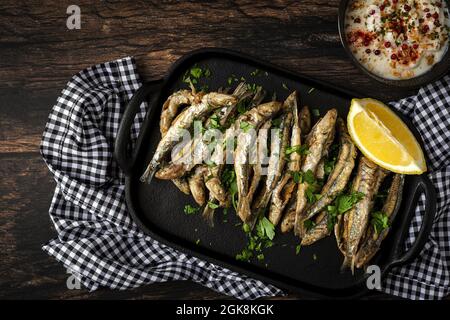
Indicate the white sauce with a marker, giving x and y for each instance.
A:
(398, 39)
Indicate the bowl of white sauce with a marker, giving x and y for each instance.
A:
(399, 42)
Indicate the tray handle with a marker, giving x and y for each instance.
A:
(124, 158)
(421, 184)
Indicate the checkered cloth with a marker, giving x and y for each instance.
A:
(102, 247)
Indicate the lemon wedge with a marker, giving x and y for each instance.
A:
(384, 138)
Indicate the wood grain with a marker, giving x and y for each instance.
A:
(39, 55)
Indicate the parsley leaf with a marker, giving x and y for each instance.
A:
(309, 224)
(265, 232)
(245, 126)
(241, 107)
(212, 205)
(296, 176)
(346, 202)
(316, 112)
(228, 179)
(196, 72)
(342, 204)
(265, 228)
(380, 221)
(300, 149)
(308, 177)
(188, 209)
(276, 122)
(215, 122)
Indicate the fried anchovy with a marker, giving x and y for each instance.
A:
(340, 175)
(277, 161)
(194, 152)
(213, 181)
(181, 183)
(335, 184)
(285, 188)
(261, 152)
(208, 103)
(197, 184)
(318, 231)
(252, 119)
(171, 106)
(317, 139)
(305, 121)
(372, 240)
(367, 181)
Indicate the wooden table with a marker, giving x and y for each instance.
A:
(38, 54)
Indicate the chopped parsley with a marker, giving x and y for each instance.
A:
(297, 249)
(300, 177)
(276, 122)
(242, 107)
(309, 224)
(212, 205)
(189, 210)
(380, 221)
(342, 204)
(329, 165)
(215, 122)
(245, 126)
(300, 149)
(316, 112)
(265, 232)
(228, 179)
(193, 75)
(253, 87)
(265, 228)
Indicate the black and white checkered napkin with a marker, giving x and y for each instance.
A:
(102, 247)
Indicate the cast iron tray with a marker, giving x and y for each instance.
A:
(157, 207)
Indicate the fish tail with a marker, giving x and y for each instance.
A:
(244, 211)
(345, 264)
(208, 215)
(148, 174)
(352, 266)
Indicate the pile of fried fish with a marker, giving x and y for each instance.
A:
(308, 172)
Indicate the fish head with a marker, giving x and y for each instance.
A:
(270, 108)
(216, 100)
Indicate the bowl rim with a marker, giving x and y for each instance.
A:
(436, 72)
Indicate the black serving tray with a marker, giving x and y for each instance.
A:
(157, 208)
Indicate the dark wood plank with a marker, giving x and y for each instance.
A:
(39, 54)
